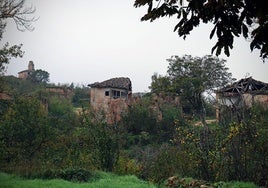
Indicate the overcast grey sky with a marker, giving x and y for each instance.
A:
(88, 41)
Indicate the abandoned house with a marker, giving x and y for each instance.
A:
(112, 97)
(241, 95)
(25, 73)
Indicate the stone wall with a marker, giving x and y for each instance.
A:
(104, 100)
(23, 74)
(62, 91)
(261, 99)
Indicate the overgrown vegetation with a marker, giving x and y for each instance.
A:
(43, 136)
(50, 133)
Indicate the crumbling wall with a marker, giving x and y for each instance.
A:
(98, 100)
(66, 92)
(116, 107)
(262, 100)
(23, 74)
(158, 101)
(112, 107)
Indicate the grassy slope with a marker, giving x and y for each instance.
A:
(106, 181)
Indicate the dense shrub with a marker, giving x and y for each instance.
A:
(104, 140)
(70, 174)
(23, 130)
(80, 175)
(162, 165)
(151, 121)
(127, 166)
(236, 152)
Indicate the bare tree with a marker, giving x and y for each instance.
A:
(13, 9)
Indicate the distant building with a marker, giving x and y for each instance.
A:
(241, 95)
(112, 97)
(25, 73)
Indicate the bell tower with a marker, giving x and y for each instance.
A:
(31, 66)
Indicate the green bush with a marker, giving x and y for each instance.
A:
(127, 166)
(104, 140)
(71, 174)
(23, 131)
(162, 164)
(80, 175)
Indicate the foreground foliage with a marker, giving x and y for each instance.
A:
(233, 18)
(235, 151)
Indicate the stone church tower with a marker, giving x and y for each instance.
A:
(31, 66)
(25, 73)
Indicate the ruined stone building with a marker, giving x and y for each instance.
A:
(25, 73)
(112, 97)
(241, 95)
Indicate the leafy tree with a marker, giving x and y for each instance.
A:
(104, 140)
(39, 76)
(13, 9)
(229, 17)
(23, 130)
(7, 52)
(140, 123)
(160, 84)
(191, 76)
(152, 120)
(61, 113)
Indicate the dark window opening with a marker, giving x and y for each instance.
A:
(107, 93)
